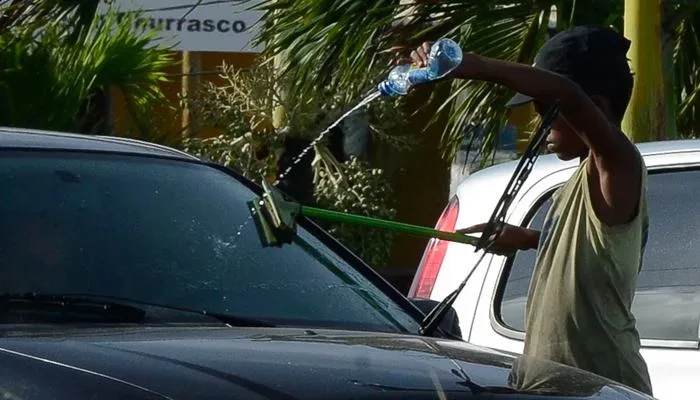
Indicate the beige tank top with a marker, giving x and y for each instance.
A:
(578, 310)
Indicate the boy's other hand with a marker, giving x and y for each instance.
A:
(471, 64)
(419, 56)
(511, 239)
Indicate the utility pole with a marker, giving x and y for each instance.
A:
(191, 68)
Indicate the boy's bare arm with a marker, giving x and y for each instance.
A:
(512, 237)
(547, 87)
(615, 160)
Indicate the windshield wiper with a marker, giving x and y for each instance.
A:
(115, 308)
(37, 306)
(497, 221)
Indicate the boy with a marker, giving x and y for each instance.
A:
(590, 249)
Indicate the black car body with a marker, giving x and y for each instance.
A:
(132, 271)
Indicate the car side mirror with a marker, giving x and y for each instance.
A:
(449, 324)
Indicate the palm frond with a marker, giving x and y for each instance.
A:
(48, 71)
(318, 37)
(513, 34)
(686, 65)
(334, 43)
(330, 44)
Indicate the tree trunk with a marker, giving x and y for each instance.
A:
(645, 119)
(191, 66)
(279, 116)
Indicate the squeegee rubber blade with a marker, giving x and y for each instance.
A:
(265, 231)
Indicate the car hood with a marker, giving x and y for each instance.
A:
(266, 363)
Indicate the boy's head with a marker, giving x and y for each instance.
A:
(596, 59)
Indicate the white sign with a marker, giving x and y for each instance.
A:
(194, 25)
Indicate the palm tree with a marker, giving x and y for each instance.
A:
(56, 59)
(335, 44)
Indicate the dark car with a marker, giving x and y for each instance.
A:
(134, 271)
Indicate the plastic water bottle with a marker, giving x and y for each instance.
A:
(445, 55)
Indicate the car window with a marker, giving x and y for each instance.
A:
(174, 233)
(512, 307)
(667, 301)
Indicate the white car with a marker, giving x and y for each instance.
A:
(667, 302)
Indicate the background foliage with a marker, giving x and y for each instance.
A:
(334, 43)
(243, 108)
(56, 63)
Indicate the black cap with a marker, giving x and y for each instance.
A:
(591, 56)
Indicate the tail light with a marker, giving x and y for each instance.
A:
(434, 254)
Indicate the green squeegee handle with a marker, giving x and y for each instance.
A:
(393, 226)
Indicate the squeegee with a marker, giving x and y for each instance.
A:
(276, 216)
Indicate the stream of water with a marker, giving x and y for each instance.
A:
(323, 134)
(371, 97)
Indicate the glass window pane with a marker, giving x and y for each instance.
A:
(518, 283)
(172, 233)
(667, 302)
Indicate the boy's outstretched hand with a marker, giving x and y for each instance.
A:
(419, 57)
(511, 239)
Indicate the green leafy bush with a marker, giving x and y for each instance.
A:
(52, 63)
(357, 188)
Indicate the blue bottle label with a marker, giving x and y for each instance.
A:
(418, 76)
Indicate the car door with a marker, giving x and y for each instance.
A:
(667, 302)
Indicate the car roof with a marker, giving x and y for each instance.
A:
(21, 138)
(491, 182)
(549, 163)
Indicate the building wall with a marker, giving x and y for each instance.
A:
(169, 116)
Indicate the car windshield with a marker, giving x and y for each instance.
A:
(174, 233)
